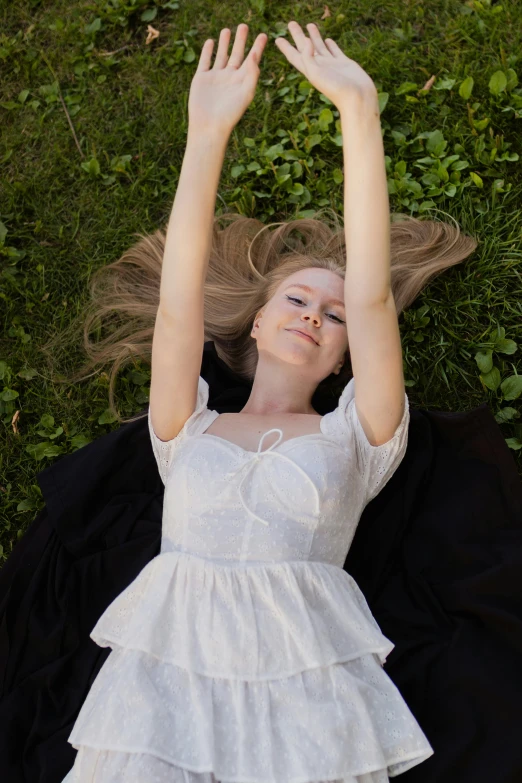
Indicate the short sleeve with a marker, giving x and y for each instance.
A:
(196, 422)
(377, 464)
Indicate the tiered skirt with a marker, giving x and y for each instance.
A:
(249, 673)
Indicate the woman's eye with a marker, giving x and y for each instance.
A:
(300, 301)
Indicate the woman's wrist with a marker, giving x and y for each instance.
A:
(216, 137)
(359, 108)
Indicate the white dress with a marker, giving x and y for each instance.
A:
(244, 652)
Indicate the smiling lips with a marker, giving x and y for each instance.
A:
(303, 334)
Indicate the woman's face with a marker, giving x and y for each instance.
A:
(314, 311)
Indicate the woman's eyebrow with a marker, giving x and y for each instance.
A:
(310, 291)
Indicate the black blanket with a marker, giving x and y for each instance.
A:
(438, 554)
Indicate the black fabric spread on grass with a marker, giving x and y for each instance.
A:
(438, 554)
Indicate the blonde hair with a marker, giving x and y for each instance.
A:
(246, 265)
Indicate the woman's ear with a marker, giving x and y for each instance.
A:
(255, 325)
(345, 359)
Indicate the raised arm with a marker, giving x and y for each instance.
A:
(218, 98)
(371, 318)
(371, 315)
(177, 343)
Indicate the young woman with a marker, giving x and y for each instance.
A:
(244, 651)
(208, 596)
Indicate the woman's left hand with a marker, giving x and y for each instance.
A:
(325, 65)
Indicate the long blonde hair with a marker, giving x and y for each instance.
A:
(246, 265)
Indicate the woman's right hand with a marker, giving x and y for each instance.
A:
(219, 96)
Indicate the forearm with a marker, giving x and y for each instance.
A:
(366, 203)
(189, 231)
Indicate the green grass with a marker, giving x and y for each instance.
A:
(65, 211)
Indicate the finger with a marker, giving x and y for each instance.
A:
(304, 44)
(333, 48)
(222, 52)
(206, 54)
(258, 46)
(238, 50)
(316, 39)
(291, 54)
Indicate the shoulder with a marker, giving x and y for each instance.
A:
(337, 420)
(196, 422)
(375, 463)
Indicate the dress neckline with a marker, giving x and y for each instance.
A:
(320, 434)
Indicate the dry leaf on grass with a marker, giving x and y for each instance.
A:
(152, 33)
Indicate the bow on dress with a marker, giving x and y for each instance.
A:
(267, 453)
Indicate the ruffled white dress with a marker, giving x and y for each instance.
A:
(243, 652)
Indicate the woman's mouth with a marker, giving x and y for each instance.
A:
(304, 336)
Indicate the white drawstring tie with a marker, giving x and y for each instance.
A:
(269, 452)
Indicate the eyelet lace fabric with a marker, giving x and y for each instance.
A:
(243, 652)
(377, 464)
